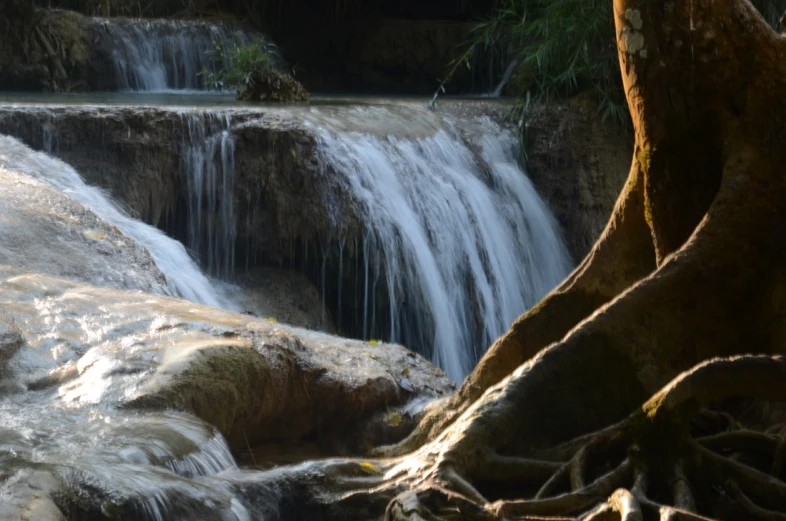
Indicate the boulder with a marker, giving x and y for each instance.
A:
(10, 341)
(130, 397)
(272, 85)
(254, 380)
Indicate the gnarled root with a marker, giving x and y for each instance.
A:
(650, 465)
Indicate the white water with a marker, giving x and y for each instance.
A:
(497, 92)
(209, 169)
(161, 55)
(182, 274)
(466, 247)
(457, 243)
(456, 230)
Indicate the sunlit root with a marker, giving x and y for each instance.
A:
(606, 475)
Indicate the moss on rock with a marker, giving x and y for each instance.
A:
(272, 85)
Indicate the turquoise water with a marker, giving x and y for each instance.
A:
(208, 99)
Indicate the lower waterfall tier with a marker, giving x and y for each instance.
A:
(416, 227)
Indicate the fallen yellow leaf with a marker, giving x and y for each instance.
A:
(370, 468)
(95, 236)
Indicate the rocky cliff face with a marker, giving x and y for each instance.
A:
(63, 51)
(282, 193)
(50, 51)
(579, 165)
(138, 155)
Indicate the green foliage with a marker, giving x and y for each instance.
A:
(561, 48)
(238, 64)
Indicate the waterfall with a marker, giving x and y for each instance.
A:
(460, 239)
(208, 161)
(497, 92)
(161, 55)
(444, 242)
(181, 272)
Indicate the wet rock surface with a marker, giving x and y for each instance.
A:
(285, 296)
(579, 164)
(291, 205)
(118, 364)
(136, 153)
(49, 232)
(10, 341)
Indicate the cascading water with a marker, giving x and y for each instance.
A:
(208, 153)
(181, 272)
(453, 242)
(161, 55)
(461, 241)
(497, 92)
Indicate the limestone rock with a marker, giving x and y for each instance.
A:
(578, 163)
(29, 497)
(253, 379)
(134, 396)
(34, 216)
(272, 85)
(48, 51)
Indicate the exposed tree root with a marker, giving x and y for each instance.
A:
(605, 475)
(688, 269)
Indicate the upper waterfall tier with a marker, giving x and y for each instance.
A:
(163, 55)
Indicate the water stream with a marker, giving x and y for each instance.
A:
(455, 241)
(182, 273)
(209, 170)
(458, 236)
(164, 55)
(453, 244)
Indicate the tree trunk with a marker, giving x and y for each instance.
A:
(594, 404)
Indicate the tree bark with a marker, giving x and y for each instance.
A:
(703, 92)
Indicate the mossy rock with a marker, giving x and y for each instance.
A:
(272, 85)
